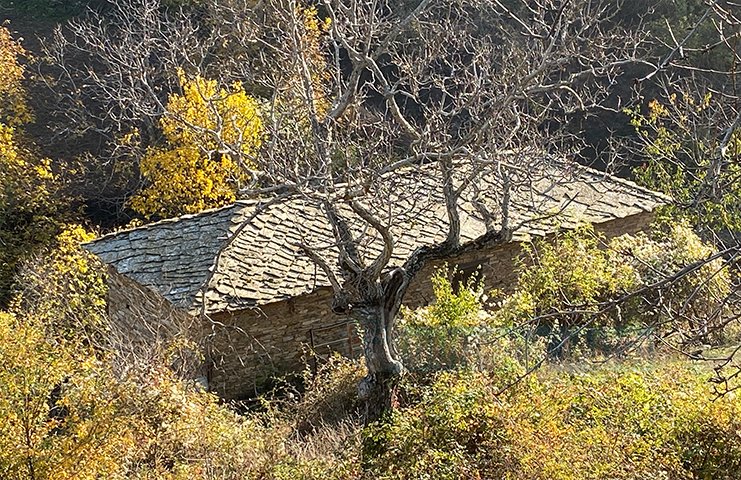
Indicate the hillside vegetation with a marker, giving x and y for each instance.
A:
(465, 410)
(608, 359)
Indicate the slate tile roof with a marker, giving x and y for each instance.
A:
(263, 262)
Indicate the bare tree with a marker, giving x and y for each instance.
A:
(382, 113)
(112, 69)
(423, 102)
(111, 73)
(690, 142)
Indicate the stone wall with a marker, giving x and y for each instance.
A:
(144, 328)
(498, 262)
(250, 346)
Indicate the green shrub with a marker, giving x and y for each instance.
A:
(442, 335)
(694, 305)
(455, 431)
(67, 416)
(562, 284)
(587, 295)
(680, 144)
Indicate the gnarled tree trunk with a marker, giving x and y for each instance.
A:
(373, 304)
(377, 317)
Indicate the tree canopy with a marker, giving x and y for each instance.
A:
(212, 137)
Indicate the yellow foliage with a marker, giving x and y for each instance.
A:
(64, 287)
(213, 119)
(66, 416)
(13, 107)
(183, 180)
(57, 415)
(184, 434)
(212, 135)
(630, 422)
(314, 29)
(28, 209)
(23, 178)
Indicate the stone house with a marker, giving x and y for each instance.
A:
(236, 281)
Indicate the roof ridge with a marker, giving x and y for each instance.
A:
(628, 183)
(255, 201)
(165, 221)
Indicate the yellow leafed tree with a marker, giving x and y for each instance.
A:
(63, 287)
(58, 419)
(13, 107)
(212, 136)
(29, 206)
(315, 28)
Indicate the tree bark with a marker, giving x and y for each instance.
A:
(379, 393)
(378, 388)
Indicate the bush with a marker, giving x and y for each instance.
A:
(64, 287)
(679, 143)
(441, 336)
(184, 433)
(70, 410)
(466, 412)
(59, 415)
(694, 305)
(631, 422)
(331, 395)
(454, 432)
(560, 289)
(65, 415)
(587, 295)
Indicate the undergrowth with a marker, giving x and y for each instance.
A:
(466, 408)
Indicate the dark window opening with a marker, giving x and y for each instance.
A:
(466, 274)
